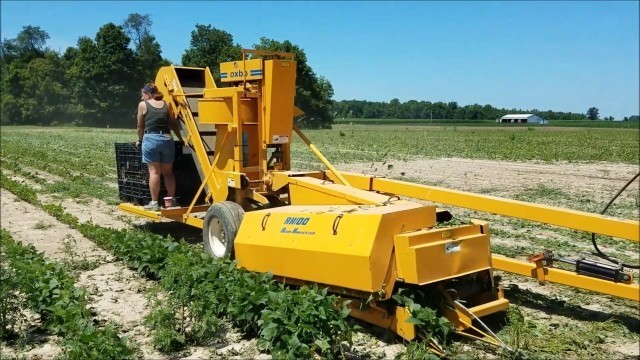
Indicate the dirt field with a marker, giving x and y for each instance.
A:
(118, 294)
(503, 178)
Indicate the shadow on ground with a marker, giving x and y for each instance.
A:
(555, 306)
(176, 230)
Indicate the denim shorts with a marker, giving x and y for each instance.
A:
(158, 148)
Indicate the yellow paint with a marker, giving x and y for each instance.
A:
(278, 92)
(343, 245)
(426, 256)
(233, 71)
(628, 291)
(140, 211)
(573, 219)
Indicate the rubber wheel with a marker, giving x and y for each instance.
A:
(221, 224)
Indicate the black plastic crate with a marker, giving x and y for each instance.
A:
(133, 176)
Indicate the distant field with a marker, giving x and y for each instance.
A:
(492, 123)
(376, 143)
(92, 149)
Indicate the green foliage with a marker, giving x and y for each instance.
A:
(21, 191)
(50, 292)
(412, 109)
(297, 324)
(104, 74)
(97, 344)
(593, 113)
(168, 333)
(29, 44)
(147, 49)
(209, 47)
(313, 92)
(34, 92)
(428, 322)
(398, 144)
(10, 301)
(95, 83)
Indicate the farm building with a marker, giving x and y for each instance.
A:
(522, 118)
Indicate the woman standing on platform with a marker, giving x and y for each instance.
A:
(155, 122)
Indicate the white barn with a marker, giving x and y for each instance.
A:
(522, 118)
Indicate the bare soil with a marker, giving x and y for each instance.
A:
(502, 178)
(117, 293)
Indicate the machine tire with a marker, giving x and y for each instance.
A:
(221, 224)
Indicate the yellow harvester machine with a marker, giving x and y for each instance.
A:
(361, 236)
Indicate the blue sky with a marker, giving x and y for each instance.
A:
(565, 56)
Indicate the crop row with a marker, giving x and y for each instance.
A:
(289, 322)
(91, 151)
(292, 323)
(401, 143)
(47, 290)
(70, 185)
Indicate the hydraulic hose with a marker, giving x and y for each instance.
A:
(593, 235)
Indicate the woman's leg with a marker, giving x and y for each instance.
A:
(154, 179)
(169, 179)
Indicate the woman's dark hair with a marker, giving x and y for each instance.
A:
(152, 90)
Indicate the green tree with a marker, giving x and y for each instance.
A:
(147, 49)
(29, 44)
(313, 92)
(104, 74)
(593, 113)
(44, 98)
(33, 87)
(209, 47)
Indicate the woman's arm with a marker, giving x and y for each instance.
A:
(142, 109)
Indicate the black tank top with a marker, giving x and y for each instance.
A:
(156, 119)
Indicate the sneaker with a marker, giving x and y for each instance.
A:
(153, 206)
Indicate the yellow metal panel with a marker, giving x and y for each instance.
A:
(140, 211)
(220, 111)
(215, 111)
(234, 71)
(361, 181)
(490, 307)
(401, 327)
(307, 190)
(568, 278)
(225, 92)
(297, 111)
(280, 179)
(573, 219)
(225, 143)
(194, 221)
(427, 256)
(346, 246)
(279, 89)
(176, 213)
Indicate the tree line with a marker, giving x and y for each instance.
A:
(98, 81)
(412, 109)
